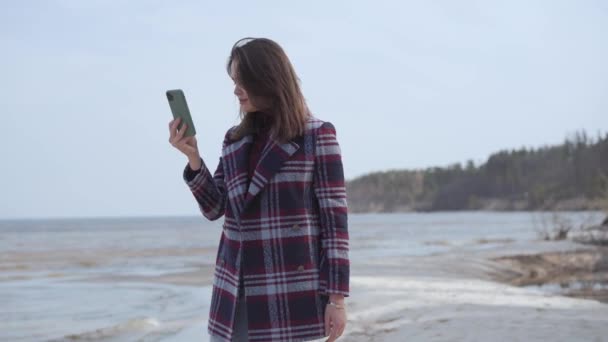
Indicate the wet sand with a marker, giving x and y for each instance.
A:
(467, 295)
(579, 273)
(481, 291)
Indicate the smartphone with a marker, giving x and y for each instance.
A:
(179, 108)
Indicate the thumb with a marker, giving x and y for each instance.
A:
(190, 141)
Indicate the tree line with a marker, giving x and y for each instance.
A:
(572, 175)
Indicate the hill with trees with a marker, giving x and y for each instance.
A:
(570, 176)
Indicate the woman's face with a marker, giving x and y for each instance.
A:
(240, 92)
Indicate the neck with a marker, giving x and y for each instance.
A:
(262, 122)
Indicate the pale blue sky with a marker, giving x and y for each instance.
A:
(407, 85)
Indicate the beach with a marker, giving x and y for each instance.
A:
(458, 298)
(414, 277)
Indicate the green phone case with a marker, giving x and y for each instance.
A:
(179, 108)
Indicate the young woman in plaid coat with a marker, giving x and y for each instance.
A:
(282, 267)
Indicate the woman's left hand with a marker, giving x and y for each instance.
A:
(335, 320)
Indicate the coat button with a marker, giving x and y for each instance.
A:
(222, 262)
(300, 268)
(296, 226)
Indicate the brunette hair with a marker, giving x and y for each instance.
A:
(265, 72)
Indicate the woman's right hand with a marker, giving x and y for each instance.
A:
(186, 145)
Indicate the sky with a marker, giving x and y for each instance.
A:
(407, 84)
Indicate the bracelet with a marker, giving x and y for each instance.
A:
(337, 306)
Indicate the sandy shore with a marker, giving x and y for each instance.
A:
(579, 273)
(470, 295)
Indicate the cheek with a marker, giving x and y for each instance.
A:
(250, 107)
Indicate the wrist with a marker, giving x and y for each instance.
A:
(195, 163)
(336, 298)
(336, 305)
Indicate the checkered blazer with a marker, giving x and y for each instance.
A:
(287, 229)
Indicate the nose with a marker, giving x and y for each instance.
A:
(238, 91)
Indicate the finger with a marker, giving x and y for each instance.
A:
(173, 128)
(182, 131)
(327, 322)
(190, 141)
(337, 326)
(340, 324)
(340, 330)
(333, 336)
(174, 123)
(344, 322)
(332, 327)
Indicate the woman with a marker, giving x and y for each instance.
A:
(282, 267)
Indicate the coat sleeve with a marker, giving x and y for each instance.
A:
(330, 191)
(208, 190)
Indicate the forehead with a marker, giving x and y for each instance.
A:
(234, 69)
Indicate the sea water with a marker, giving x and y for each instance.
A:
(148, 279)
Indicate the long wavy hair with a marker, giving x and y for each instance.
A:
(265, 72)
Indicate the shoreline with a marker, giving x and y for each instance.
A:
(477, 293)
(581, 273)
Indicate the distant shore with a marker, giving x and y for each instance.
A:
(495, 204)
(567, 176)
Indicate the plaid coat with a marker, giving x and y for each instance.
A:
(286, 229)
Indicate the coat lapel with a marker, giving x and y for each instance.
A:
(274, 154)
